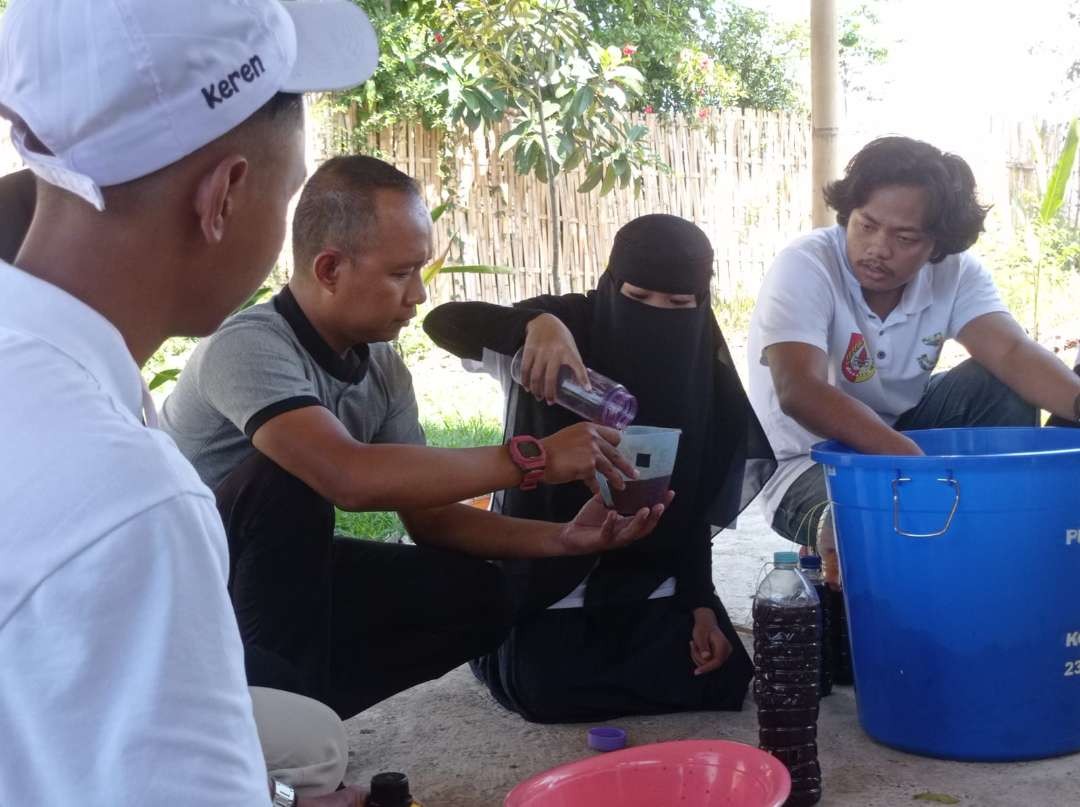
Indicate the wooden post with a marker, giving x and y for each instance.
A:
(825, 117)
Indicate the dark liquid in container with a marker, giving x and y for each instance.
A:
(842, 672)
(787, 670)
(640, 493)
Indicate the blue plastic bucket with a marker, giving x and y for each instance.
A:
(962, 585)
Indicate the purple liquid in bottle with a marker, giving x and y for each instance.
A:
(607, 403)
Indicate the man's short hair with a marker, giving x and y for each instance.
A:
(954, 217)
(337, 206)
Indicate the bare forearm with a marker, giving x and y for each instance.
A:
(481, 533)
(397, 477)
(826, 411)
(1040, 378)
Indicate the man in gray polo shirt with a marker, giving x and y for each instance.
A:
(300, 404)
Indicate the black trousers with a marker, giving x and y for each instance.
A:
(592, 664)
(1060, 421)
(348, 622)
(967, 395)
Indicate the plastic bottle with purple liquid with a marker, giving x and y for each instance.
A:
(608, 402)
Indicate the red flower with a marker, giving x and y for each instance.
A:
(649, 110)
(439, 38)
(628, 50)
(703, 113)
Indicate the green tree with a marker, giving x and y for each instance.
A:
(567, 99)
(692, 54)
(861, 50)
(696, 53)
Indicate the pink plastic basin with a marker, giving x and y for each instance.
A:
(688, 773)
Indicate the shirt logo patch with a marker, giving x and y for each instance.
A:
(857, 365)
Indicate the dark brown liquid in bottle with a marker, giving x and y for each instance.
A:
(787, 671)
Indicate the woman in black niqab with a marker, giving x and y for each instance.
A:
(626, 631)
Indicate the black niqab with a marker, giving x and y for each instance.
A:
(676, 363)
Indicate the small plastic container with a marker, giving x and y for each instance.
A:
(608, 402)
(652, 451)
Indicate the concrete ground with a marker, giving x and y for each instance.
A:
(461, 749)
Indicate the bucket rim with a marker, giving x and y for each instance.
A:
(834, 452)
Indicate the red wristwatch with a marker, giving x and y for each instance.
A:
(528, 454)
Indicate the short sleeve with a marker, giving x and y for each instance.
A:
(137, 684)
(402, 424)
(251, 373)
(796, 303)
(976, 295)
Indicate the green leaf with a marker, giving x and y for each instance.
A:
(636, 132)
(592, 178)
(471, 98)
(1059, 179)
(609, 180)
(436, 214)
(574, 159)
(526, 157)
(583, 99)
(938, 798)
(163, 377)
(499, 100)
(477, 269)
(429, 272)
(616, 94)
(508, 143)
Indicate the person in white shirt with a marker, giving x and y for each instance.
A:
(167, 145)
(851, 320)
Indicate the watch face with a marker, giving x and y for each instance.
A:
(529, 450)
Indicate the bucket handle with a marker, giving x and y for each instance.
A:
(896, 508)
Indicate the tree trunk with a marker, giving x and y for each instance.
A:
(554, 220)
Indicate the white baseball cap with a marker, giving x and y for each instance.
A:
(118, 89)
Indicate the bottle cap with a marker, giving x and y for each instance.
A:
(606, 738)
(790, 558)
(389, 789)
(812, 562)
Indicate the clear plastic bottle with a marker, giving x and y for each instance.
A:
(787, 671)
(810, 566)
(390, 789)
(607, 403)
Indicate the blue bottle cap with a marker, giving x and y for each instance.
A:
(790, 558)
(812, 562)
(606, 738)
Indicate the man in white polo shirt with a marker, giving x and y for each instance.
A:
(851, 321)
(168, 140)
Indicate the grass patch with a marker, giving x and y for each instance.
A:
(452, 433)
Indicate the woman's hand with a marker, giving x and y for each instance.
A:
(549, 346)
(709, 647)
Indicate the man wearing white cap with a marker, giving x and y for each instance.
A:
(168, 139)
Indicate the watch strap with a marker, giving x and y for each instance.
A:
(284, 796)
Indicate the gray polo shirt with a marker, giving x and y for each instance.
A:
(268, 360)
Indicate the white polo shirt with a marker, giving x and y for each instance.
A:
(121, 669)
(810, 295)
